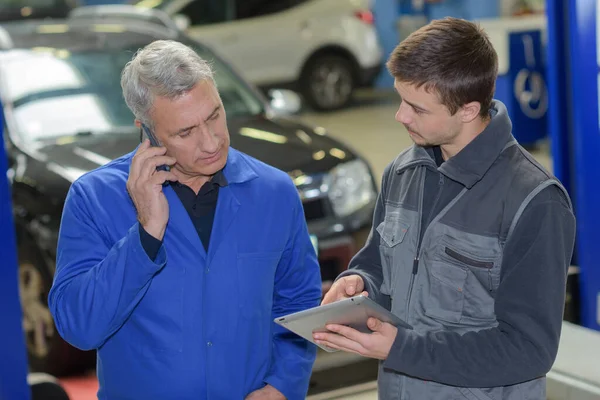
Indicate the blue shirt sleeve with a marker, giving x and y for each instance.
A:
(88, 273)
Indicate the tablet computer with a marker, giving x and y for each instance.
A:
(353, 312)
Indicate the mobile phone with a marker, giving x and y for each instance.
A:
(154, 143)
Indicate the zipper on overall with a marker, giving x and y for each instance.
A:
(415, 268)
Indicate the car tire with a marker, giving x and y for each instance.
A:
(47, 352)
(328, 82)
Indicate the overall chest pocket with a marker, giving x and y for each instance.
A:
(462, 279)
(393, 231)
(255, 281)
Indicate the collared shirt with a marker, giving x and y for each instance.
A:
(200, 207)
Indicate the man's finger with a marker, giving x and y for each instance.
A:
(160, 160)
(161, 177)
(329, 297)
(358, 283)
(350, 289)
(150, 164)
(339, 342)
(149, 151)
(348, 332)
(137, 164)
(143, 146)
(335, 347)
(375, 325)
(141, 149)
(335, 293)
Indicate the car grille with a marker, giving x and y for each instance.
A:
(314, 209)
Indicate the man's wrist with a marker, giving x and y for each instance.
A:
(274, 394)
(155, 230)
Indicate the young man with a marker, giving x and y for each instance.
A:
(175, 276)
(471, 238)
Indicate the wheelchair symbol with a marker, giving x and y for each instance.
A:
(533, 100)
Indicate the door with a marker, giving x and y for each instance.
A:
(259, 38)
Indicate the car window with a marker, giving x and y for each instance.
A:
(67, 93)
(258, 8)
(205, 12)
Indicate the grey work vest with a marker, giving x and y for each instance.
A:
(458, 264)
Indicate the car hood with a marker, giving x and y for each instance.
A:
(282, 143)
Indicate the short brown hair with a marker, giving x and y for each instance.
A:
(451, 56)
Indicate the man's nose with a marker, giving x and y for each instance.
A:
(208, 141)
(404, 115)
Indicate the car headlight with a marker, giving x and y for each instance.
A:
(350, 187)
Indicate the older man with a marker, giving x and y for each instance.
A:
(175, 274)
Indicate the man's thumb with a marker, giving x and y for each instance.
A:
(350, 290)
(374, 324)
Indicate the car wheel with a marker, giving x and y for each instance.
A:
(47, 351)
(328, 82)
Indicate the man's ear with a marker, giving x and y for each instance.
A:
(470, 111)
(138, 123)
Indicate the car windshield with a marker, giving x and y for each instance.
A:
(54, 92)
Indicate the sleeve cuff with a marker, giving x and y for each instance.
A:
(284, 389)
(396, 357)
(150, 244)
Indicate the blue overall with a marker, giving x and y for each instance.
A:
(191, 324)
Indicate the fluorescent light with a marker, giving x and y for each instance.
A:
(303, 136)
(108, 28)
(263, 135)
(56, 28)
(337, 153)
(319, 130)
(319, 155)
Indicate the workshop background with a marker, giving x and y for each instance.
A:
(316, 68)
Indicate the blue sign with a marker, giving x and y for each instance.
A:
(523, 88)
(575, 132)
(465, 9)
(13, 368)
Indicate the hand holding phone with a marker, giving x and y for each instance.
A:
(154, 142)
(145, 186)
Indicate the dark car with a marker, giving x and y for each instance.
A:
(16, 10)
(65, 115)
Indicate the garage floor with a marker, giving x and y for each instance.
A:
(368, 127)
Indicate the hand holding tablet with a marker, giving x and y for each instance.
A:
(353, 312)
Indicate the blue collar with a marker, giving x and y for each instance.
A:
(238, 169)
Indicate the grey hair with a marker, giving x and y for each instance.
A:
(164, 68)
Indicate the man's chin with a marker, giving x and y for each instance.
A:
(214, 167)
(419, 141)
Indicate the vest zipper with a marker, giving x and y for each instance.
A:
(415, 269)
